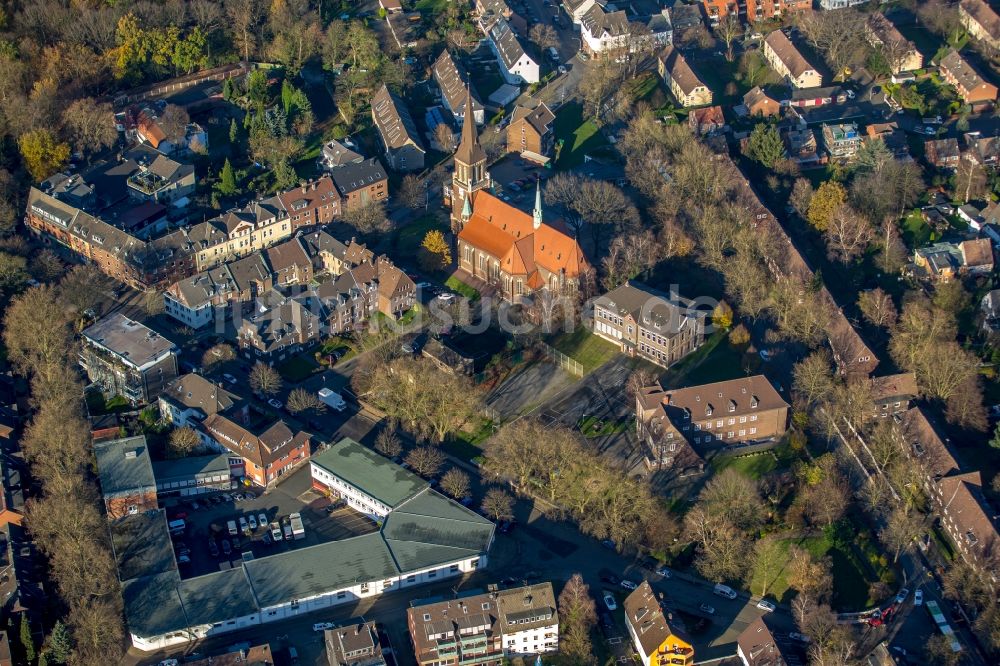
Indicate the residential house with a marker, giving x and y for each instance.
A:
(189, 399)
(901, 54)
(242, 232)
(969, 520)
(124, 357)
(984, 150)
(145, 124)
(990, 307)
(361, 183)
(971, 86)
(290, 263)
(396, 291)
(428, 538)
(801, 145)
(981, 20)
(354, 644)
(315, 202)
(255, 655)
(707, 121)
(577, 9)
(125, 471)
(279, 331)
(656, 634)
(195, 475)
(488, 628)
(453, 80)
(517, 65)
(339, 153)
(391, 6)
(759, 104)
(12, 487)
(842, 141)
(207, 296)
(602, 31)
(943, 261)
(684, 84)
(892, 394)
(643, 322)
(531, 131)
(397, 132)
(786, 60)
(683, 17)
(404, 28)
(268, 448)
(758, 646)
(489, 10)
(804, 98)
(850, 352)
(942, 153)
(754, 10)
(893, 138)
(729, 412)
(331, 256)
(661, 30)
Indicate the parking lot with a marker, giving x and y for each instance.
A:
(209, 520)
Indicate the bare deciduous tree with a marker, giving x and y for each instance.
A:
(729, 30)
(847, 235)
(543, 36)
(445, 137)
(498, 504)
(219, 353)
(183, 442)
(455, 482)
(425, 460)
(387, 443)
(838, 36)
(878, 308)
(412, 192)
(301, 400)
(264, 379)
(578, 615)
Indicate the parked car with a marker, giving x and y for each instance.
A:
(705, 608)
(287, 528)
(608, 543)
(628, 585)
(244, 526)
(918, 598)
(213, 548)
(262, 519)
(562, 69)
(796, 636)
(274, 403)
(447, 296)
(609, 601)
(663, 572)
(903, 594)
(323, 626)
(765, 605)
(253, 521)
(226, 548)
(183, 559)
(229, 378)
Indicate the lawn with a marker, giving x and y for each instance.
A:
(587, 349)
(593, 426)
(715, 361)
(461, 288)
(579, 136)
(916, 232)
(753, 466)
(409, 238)
(297, 368)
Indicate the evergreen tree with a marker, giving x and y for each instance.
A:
(227, 179)
(60, 644)
(234, 131)
(765, 145)
(227, 90)
(287, 94)
(26, 641)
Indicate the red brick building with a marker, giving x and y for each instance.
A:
(269, 449)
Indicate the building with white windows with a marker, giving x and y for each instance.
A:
(516, 63)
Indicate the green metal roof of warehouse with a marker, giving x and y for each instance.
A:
(124, 465)
(370, 472)
(319, 569)
(190, 467)
(142, 545)
(152, 604)
(217, 597)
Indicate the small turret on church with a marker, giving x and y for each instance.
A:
(470, 172)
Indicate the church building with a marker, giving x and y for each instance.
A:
(519, 254)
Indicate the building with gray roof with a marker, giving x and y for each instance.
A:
(126, 475)
(403, 149)
(355, 643)
(453, 80)
(516, 63)
(127, 358)
(193, 475)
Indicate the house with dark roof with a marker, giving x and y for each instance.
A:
(900, 53)
(981, 20)
(657, 635)
(314, 202)
(757, 645)
(353, 644)
(603, 30)
(662, 328)
(361, 183)
(785, 59)
(338, 153)
(126, 358)
(707, 121)
(892, 394)
(278, 330)
(969, 83)
(195, 475)
(942, 153)
(453, 80)
(687, 88)
(398, 133)
(517, 65)
(205, 297)
(268, 447)
(189, 399)
(943, 261)
(531, 131)
(970, 520)
(125, 471)
(290, 263)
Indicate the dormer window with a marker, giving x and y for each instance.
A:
(753, 402)
(732, 405)
(708, 410)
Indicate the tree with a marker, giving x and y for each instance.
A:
(368, 218)
(60, 644)
(412, 192)
(27, 642)
(810, 576)
(455, 482)
(244, 16)
(91, 125)
(152, 302)
(838, 36)
(183, 442)
(425, 460)
(629, 255)
(754, 67)
(722, 316)
(387, 443)
(445, 137)
(600, 203)
(938, 651)
(543, 36)
(801, 196)
(739, 336)
(13, 271)
(227, 180)
(970, 180)
(220, 353)
(301, 400)
(43, 153)
(498, 504)
(951, 297)
(264, 379)
(824, 204)
(877, 307)
(903, 525)
(36, 333)
(847, 235)
(729, 30)
(596, 85)
(578, 614)
(768, 562)
(83, 288)
(174, 121)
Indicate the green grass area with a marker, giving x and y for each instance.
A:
(579, 135)
(587, 349)
(643, 86)
(432, 7)
(926, 41)
(97, 405)
(916, 232)
(716, 360)
(297, 368)
(717, 73)
(754, 466)
(468, 445)
(461, 288)
(408, 238)
(593, 426)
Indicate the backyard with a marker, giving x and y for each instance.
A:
(579, 136)
(587, 349)
(715, 361)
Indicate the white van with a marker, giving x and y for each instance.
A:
(332, 399)
(725, 591)
(232, 527)
(177, 525)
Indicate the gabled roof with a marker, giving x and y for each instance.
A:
(788, 54)
(654, 310)
(731, 397)
(648, 621)
(372, 474)
(455, 84)
(540, 117)
(978, 252)
(288, 254)
(902, 385)
(680, 71)
(926, 445)
(337, 154)
(966, 76)
(984, 15)
(358, 176)
(508, 43)
(312, 194)
(599, 22)
(759, 647)
(193, 391)
(394, 121)
(973, 517)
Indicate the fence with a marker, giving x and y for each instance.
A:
(567, 363)
(180, 83)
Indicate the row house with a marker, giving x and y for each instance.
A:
(981, 20)
(970, 84)
(487, 629)
(531, 131)
(125, 470)
(267, 449)
(517, 64)
(488, 11)
(397, 132)
(900, 53)
(190, 399)
(892, 394)
(785, 59)
(649, 324)
(279, 331)
(313, 203)
(206, 297)
(241, 232)
(361, 183)
(682, 81)
(758, 645)
(126, 358)
(753, 10)
(454, 82)
(290, 263)
(331, 256)
(658, 636)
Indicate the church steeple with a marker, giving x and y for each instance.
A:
(469, 151)
(470, 172)
(537, 213)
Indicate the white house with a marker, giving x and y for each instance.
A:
(601, 30)
(189, 399)
(516, 64)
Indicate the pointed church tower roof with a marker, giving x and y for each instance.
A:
(467, 208)
(537, 213)
(469, 151)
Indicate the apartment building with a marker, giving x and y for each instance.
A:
(486, 629)
(453, 80)
(313, 203)
(404, 151)
(206, 297)
(684, 84)
(892, 394)
(189, 399)
(517, 64)
(643, 322)
(602, 30)
(758, 646)
(196, 475)
(531, 131)
(753, 10)
(290, 263)
(981, 20)
(268, 448)
(841, 140)
(900, 53)
(355, 644)
(785, 59)
(279, 330)
(969, 83)
(126, 473)
(656, 634)
(361, 183)
(126, 358)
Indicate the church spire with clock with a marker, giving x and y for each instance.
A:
(470, 172)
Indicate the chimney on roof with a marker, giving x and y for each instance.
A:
(666, 399)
